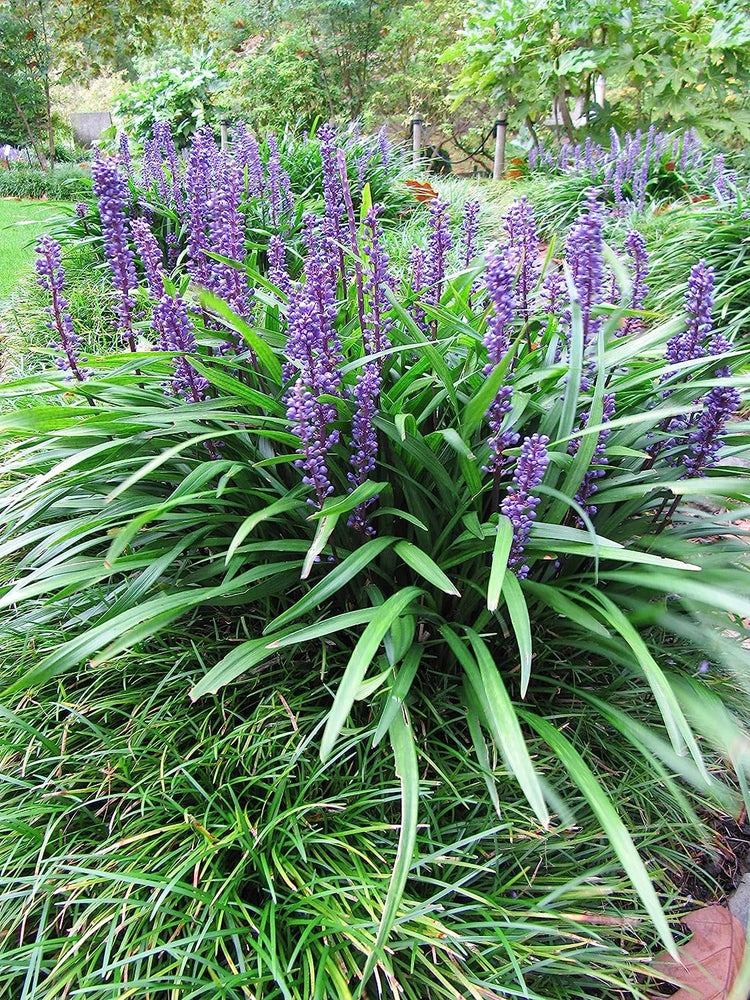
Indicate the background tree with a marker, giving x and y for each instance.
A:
(682, 61)
(25, 71)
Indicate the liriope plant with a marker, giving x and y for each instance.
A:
(495, 465)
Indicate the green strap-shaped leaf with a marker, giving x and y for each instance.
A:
(405, 754)
(325, 529)
(520, 623)
(360, 660)
(613, 826)
(499, 713)
(354, 563)
(500, 552)
(427, 568)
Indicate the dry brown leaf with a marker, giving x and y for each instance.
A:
(710, 959)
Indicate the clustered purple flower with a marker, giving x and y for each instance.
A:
(469, 232)
(314, 352)
(177, 334)
(111, 190)
(690, 344)
(226, 230)
(51, 277)
(519, 505)
(623, 169)
(439, 243)
(523, 247)
(705, 439)
(498, 279)
(151, 257)
(635, 247)
(367, 387)
(585, 255)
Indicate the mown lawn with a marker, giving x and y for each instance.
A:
(20, 222)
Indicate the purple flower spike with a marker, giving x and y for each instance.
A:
(82, 209)
(691, 343)
(364, 440)
(524, 253)
(111, 188)
(439, 244)
(498, 278)
(278, 273)
(226, 227)
(124, 153)
(176, 333)
(247, 155)
(520, 504)
(585, 255)
(635, 246)
(51, 277)
(165, 142)
(332, 195)
(418, 264)
(378, 279)
(307, 421)
(469, 232)
(705, 439)
(150, 253)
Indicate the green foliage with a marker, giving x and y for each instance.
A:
(720, 234)
(280, 85)
(25, 58)
(68, 182)
(182, 91)
(684, 61)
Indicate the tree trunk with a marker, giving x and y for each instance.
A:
(562, 103)
(32, 138)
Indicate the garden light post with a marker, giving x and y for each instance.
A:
(224, 134)
(416, 141)
(498, 165)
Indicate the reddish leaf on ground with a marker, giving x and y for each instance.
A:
(422, 190)
(710, 959)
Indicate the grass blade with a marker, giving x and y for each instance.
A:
(427, 568)
(613, 826)
(500, 552)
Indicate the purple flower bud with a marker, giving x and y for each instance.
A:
(524, 253)
(469, 232)
(176, 333)
(498, 279)
(520, 503)
(278, 273)
(124, 153)
(51, 277)
(150, 253)
(111, 189)
(82, 209)
(635, 246)
(439, 244)
(585, 255)
(247, 156)
(705, 439)
(691, 342)
(165, 143)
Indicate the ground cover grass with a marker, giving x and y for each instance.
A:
(159, 850)
(21, 221)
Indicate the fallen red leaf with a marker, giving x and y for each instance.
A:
(422, 190)
(710, 959)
